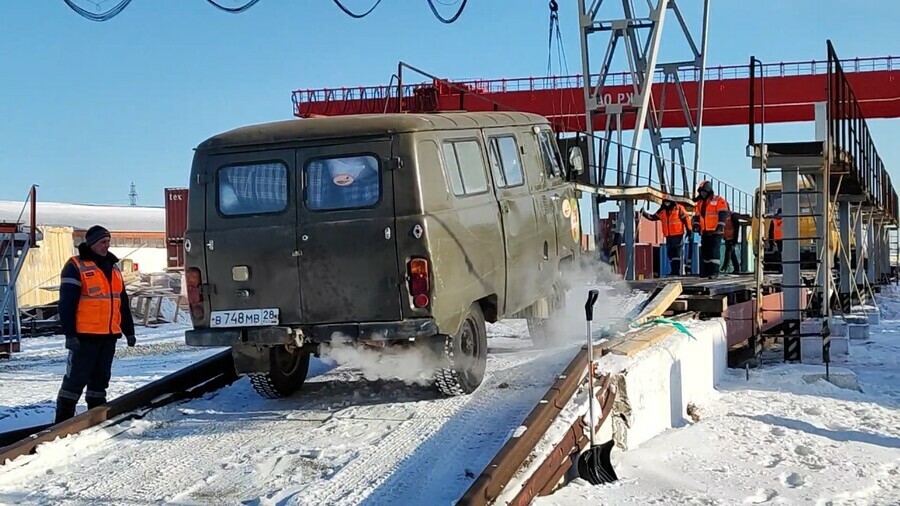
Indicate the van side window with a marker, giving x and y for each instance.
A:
(504, 155)
(346, 182)
(549, 154)
(465, 167)
(252, 189)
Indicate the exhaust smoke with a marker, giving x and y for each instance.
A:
(413, 365)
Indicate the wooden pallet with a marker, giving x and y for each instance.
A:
(147, 307)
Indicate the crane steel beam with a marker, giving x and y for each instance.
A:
(792, 90)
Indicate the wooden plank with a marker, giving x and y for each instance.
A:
(640, 341)
(651, 333)
(660, 303)
(703, 303)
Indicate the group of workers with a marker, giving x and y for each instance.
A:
(712, 219)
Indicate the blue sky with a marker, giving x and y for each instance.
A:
(86, 108)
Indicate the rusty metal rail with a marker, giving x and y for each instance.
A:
(514, 454)
(205, 376)
(510, 462)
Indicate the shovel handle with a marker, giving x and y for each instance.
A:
(592, 297)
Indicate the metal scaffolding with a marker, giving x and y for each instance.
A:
(17, 238)
(835, 205)
(639, 36)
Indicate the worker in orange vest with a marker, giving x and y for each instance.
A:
(775, 235)
(732, 225)
(674, 219)
(94, 313)
(710, 215)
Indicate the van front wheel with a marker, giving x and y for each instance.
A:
(287, 373)
(465, 355)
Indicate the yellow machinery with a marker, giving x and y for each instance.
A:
(807, 223)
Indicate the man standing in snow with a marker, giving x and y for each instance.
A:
(93, 313)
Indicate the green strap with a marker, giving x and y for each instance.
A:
(678, 325)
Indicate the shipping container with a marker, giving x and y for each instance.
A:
(643, 261)
(176, 213)
(175, 254)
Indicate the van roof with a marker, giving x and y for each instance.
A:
(364, 125)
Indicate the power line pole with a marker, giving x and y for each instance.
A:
(132, 195)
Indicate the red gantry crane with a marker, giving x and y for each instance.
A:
(791, 90)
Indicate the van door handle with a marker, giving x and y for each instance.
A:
(555, 197)
(504, 207)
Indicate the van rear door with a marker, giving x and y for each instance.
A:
(347, 235)
(251, 246)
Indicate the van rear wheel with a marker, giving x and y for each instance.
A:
(544, 332)
(466, 356)
(287, 373)
(541, 332)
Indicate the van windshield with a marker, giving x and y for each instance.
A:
(345, 182)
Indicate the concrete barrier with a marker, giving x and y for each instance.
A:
(656, 385)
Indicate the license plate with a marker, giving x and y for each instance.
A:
(244, 318)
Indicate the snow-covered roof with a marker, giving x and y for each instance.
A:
(83, 216)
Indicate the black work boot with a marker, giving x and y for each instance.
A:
(93, 402)
(65, 409)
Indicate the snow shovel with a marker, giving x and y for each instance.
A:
(594, 464)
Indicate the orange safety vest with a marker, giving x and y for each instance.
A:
(776, 229)
(672, 220)
(729, 229)
(708, 212)
(99, 307)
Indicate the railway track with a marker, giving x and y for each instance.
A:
(205, 376)
(472, 449)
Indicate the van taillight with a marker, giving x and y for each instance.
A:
(418, 282)
(192, 279)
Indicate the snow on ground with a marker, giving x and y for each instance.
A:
(342, 440)
(31, 379)
(785, 436)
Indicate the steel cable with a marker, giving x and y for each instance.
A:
(353, 14)
(441, 18)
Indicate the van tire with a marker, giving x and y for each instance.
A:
(540, 331)
(466, 354)
(286, 375)
(544, 331)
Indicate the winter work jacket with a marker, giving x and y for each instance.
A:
(92, 298)
(710, 215)
(674, 220)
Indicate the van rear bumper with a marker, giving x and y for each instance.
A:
(274, 336)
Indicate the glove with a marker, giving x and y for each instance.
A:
(720, 229)
(696, 228)
(131, 340)
(72, 343)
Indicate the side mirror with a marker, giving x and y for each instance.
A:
(576, 161)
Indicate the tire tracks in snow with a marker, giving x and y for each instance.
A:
(427, 459)
(341, 440)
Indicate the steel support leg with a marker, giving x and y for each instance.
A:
(627, 215)
(861, 250)
(873, 251)
(745, 250)
(790, 258)
(823, 274)
(844, 254)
